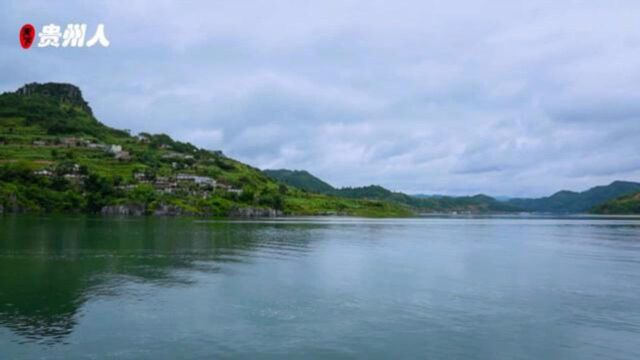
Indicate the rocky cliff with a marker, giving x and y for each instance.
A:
(63, 92)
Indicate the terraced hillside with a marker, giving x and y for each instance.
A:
(55, 156)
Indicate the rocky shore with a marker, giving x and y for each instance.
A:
(172, 210)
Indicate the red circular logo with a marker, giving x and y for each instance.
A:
(27, 34)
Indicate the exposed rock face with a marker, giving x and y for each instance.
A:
(125, 210)
(168, 210)
(249, 212)
(63, 92)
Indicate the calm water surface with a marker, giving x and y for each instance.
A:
(465, 288)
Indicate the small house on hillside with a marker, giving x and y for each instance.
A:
(43, 172)
(69, 141)
(97, 146)
(114, 149)
(75, 178)
(198, 180)
(164, 184)
(172, 155)
(140, 176)
(123, 156)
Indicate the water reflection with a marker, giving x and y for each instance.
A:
(49, 267)
(447, 287)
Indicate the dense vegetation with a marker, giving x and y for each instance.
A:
(629, 204)
(56, 157)
(300, 179)
(472, 204)
(577, 202)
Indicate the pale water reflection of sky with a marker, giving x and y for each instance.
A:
(500, 97)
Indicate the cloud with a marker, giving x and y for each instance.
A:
(500, 97)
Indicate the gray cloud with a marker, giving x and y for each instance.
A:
(501, 97)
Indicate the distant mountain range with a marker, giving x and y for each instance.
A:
(560, 202)
(302, 179)
(577, 202)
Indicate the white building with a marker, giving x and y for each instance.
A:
(97, 146)
(122, 155)
(114, 149)
(198, 180)
(43, 172)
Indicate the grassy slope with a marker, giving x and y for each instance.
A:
(24, 119)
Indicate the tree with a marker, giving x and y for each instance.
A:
(248, 196)
(143, 193)
(99, 191)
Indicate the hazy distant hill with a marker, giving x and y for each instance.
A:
(473, 204)
(577, 202)
(629, 204)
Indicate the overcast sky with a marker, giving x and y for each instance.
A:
(503, 97)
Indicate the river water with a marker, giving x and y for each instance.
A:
(438, 288)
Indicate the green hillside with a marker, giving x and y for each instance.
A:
(300, 179)
(55, 156)
(625, 205)
(577, 202)
(471, 204)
